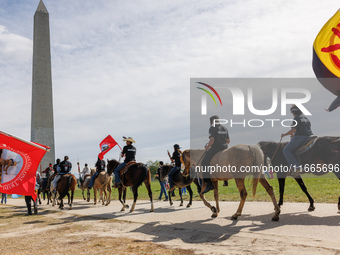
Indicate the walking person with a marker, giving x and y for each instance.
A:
(161, 183)
(3, 198)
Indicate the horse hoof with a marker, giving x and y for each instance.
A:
(151, 210)
(213, 209)
(70, 208)
(311, 208)
(123, 209)
(339, 207)
(275, 218)
(234, 217)
(171, 203)
(188, 205)
(214, 215)
(181, 205)
(127, 206)
(131, 210)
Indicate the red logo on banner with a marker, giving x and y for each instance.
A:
(107, 144)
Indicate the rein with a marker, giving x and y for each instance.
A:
(277, 147)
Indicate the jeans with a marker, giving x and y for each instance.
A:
(4, 198)
(163, 190)
(171, 173)
(116, 171)
(291, 147)
(93, 177)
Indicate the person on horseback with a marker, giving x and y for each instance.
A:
(218, 141)
(65, 168)
(175, 158)
(85, 171)
(56, 166)
(129, 151)
(300, 131)
(48, 172)
(100, 166)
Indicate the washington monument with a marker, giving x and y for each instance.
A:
(42, 127)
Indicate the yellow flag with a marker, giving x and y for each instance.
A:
(326, 57)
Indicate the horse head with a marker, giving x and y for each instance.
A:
(164, 171)
(185, 159)
(111, 165)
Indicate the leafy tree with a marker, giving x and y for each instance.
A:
(153, 166)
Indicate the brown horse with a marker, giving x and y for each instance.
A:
(238, 157)
(325, 152)
(67, 182)
(103, 184)
(84, 185)
(134, 177)
(180, 182)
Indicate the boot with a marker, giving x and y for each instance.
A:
(209, 187)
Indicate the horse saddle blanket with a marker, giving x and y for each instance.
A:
(126, 168)
(307, 145)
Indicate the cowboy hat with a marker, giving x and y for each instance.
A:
(130, 139)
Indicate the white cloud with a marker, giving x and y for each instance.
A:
(123, 68)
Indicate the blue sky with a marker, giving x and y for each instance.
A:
(124, 67)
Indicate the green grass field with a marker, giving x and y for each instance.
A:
(323, 190)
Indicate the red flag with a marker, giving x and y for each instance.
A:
(20, 159)
(107, 144)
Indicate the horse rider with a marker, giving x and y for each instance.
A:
(218, 141)
(85, 171)
(48, 172)
(300, 131)
(56, 166)
(100, 166)
(175, 158)
(65, 168)
(129, 151)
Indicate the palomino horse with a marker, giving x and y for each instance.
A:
(133, 177)
(180, 182)
(237, 158)
(84, 185)
(325, 153)
(67, 182)
(103, 184)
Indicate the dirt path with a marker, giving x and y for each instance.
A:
(189, 229)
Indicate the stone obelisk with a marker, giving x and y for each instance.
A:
(42, 127)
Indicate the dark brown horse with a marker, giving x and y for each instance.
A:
(237, 157)
(67, 182)
(180, 182)
(326, 152)
(134, 177)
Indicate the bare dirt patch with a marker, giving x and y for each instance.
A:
(21, 234)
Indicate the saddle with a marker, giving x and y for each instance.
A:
(86, 175)
(307, 145)
(126, 168)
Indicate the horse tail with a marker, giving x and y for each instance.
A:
(142, 176)
(67, 187)
(257, 161)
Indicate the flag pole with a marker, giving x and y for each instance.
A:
(22, 140)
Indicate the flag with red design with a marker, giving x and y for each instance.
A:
(19, 160)
(107, 144)
(326, 58)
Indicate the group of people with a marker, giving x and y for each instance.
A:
(218, 141)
